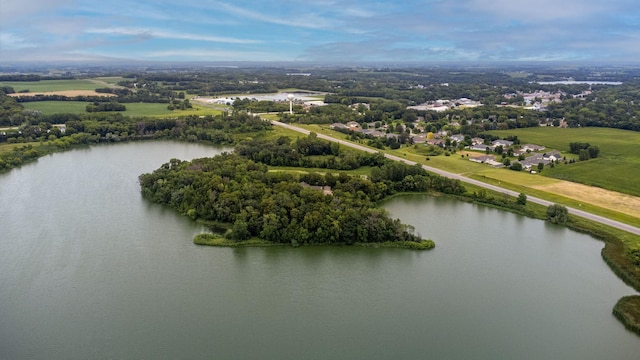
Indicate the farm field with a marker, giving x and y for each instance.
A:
(51, 85)
(54, 107)
(133, 109)
(617, 168)
(113, 80)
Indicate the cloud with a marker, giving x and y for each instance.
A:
(325, 30)
(154, 33)
(12, 11)
(299, 19)
(9, 41)
(213, 55)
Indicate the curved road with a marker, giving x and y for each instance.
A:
(573, 211)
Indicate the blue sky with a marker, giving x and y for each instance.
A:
(320, 30)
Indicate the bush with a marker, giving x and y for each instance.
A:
(557, 214)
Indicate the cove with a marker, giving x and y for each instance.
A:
(90, 269)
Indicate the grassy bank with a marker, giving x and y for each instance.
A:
(627, 310)
(221, 241)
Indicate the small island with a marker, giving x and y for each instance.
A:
(257, 206)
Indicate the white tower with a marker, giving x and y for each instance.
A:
(290, 97)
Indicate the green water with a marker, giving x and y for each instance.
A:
(90, 270)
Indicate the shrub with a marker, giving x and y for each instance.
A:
(557, 214)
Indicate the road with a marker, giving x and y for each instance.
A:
(600, 219)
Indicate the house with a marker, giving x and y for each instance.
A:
(482, 159)
(374, 133)
(458, 138)
(353, 125)
(442, 133)
(532, 147)
(552, 156)
(326, 190)
(419, 138)
(481, 147)
(531, 161)
(335, 126)
(436, 142)
(487, 159)
(477, 140)
(503, 143)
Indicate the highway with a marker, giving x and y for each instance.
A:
(600, 219)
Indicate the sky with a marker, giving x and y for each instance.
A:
(320, 30)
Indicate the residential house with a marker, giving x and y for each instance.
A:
(458, 138)
(503, 143)
(532, 147)
(487, 159)
(481, 147)
(352, 125)
(477, 140)
(326, 190)
(419, 138)
(436, 142)
(552, 156)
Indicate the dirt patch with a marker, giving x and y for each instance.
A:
(608, 199)
(68, 93)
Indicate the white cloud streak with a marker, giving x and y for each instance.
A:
(154, 33)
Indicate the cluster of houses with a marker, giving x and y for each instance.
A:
(444, 105)
(355, 127)
(528, 163)
(539, 99)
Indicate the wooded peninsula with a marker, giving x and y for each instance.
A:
(283, 207)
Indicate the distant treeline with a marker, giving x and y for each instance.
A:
(32, 77)
(96, 128)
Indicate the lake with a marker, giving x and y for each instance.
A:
(91, 270)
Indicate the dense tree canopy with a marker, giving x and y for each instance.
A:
(281, 206)
(274, 206)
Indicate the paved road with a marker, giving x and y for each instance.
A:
(573, 211)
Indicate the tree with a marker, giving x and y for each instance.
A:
(540, 166)
(522, 199)
(239, 231)
(557, 214)
(516, 166)
(584, 155)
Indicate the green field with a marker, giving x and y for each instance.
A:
(113, 80)
(617, 168)
(55, 107)
(50, 85)
(133, 109)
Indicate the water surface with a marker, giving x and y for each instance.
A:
(91, 270)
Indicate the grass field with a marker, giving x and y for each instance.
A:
(55, 107)
(617, 168)
(113, 80)
(50, 85)
(133, 109)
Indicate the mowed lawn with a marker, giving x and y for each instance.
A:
(617, 168)
(50, 85)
